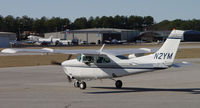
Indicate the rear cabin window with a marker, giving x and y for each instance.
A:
(103, 60)
(121, 57)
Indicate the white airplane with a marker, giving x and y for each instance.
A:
(49, 40)
(33, 38)
(102, 64)
(37, 38)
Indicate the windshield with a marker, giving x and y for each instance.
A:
(79, 57)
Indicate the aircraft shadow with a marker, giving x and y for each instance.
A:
(110, 90)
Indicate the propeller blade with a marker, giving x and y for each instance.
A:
(55, 63)
(69, 57)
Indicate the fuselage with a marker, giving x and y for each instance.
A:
(92, 70)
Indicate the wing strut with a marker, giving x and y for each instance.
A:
(101, 49)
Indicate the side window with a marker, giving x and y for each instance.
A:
(88, 59)
(103, 60)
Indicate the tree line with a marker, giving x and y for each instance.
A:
(25, 23)
(193, 24)
(43, 25)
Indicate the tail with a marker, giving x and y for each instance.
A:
(51, 38)
(167, 52)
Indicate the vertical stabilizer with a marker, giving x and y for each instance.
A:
(167, 52)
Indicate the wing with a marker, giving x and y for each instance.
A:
(13, 50)
(127, 51)
(85, 51)
(49, 50)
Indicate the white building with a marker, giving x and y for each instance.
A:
(6, 38)
(96, 35)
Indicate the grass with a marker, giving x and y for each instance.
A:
(31, 60)
(188, 53)
(36, 60)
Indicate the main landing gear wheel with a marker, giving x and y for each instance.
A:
(82, 85)
(76, 84)
(118, 84)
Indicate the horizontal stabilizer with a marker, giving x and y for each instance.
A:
(182, 64)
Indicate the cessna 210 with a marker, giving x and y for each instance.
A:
(101, 64)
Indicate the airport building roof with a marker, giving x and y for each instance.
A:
(100, 30)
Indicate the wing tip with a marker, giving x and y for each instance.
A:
(8, 50)
(146, 49)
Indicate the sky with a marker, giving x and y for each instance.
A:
(72, 9)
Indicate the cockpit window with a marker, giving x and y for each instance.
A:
(88, 59)
(103, 60)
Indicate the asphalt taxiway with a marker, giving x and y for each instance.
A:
(47, 87)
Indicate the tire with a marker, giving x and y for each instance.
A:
(118, 84)
(82, 85)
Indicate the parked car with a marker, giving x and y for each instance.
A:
(75, 42)
(92, 43)
(84, 42)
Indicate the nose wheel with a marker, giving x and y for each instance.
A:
(118, 84)
(82, 85)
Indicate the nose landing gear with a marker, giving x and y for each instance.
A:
(76, 84)
(82, 85)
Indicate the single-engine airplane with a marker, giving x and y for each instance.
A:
(101, 64)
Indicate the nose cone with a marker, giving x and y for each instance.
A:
(65, 63)
(72, 62)
(70, 67)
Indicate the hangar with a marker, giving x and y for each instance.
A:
(96, 35)
(154, 36)
(6, 38)
(191, 35)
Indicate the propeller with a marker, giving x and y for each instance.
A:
(56, 63)
(69, 57)
(59, 63)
